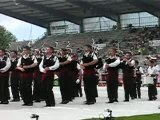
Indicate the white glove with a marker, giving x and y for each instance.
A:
(77, 81)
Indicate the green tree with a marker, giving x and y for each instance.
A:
(5, 38)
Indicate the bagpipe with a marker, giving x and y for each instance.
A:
(3, 62)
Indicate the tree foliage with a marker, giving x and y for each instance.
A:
(5, 38)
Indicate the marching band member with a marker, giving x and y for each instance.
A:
(15, 77)
(5, 64)
(127, 65)
(75, 69)
(38, 94)
(152, 74)
(90, 79)
(138, 76)
(26, 65)
(48, 66)
(111, 65)
(157, 67)
(65, 77)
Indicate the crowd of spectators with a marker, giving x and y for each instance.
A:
(139, 43)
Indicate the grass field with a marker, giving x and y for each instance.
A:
(140, 117)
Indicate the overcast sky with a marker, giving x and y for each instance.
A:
(22, 30)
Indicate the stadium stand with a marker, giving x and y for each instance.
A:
(44, 13)
(78, 40)
(137, 41)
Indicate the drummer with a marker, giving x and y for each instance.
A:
(152, 74)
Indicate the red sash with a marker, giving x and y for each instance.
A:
(48, 74)
(89, 72)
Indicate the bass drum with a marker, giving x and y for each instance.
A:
(147, 80)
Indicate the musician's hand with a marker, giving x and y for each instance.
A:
(47, 68)
(107, 65)
(22, 69)
(82, 67)
(124, 59)
(25, 67)
(44, 71)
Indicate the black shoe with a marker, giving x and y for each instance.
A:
(65, 102)
(126, 100)
(90, 103)
(4, 102)
(154, 98)
(49, 106)
(115, 100)
(30, 104)
(135, 97)
(85, 102)
(132, 98)
(111, 101)
(151, 99)
(15, 100)
(27, 104)
(37, 101)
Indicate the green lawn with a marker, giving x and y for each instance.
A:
(140, 117)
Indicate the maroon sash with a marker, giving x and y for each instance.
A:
(36, 74)
(89, 72)
(5, 74)
(49, 73)
(26, 75)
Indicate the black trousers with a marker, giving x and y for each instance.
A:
(78, 90)
(38, 92)
(26, 87)
(138, 89)
(66, 82)
(72, 86)
(90, 87)
(151, 91)
(112, 89)
(4, 84)
(155, 87)
(47, 87)
(128, 89)
(15, 84)
(134, 90)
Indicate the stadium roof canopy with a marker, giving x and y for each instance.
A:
(43, 12)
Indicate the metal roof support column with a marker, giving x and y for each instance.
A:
(49, 30)
(159, 21)
(81, 26)
(119, 25)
